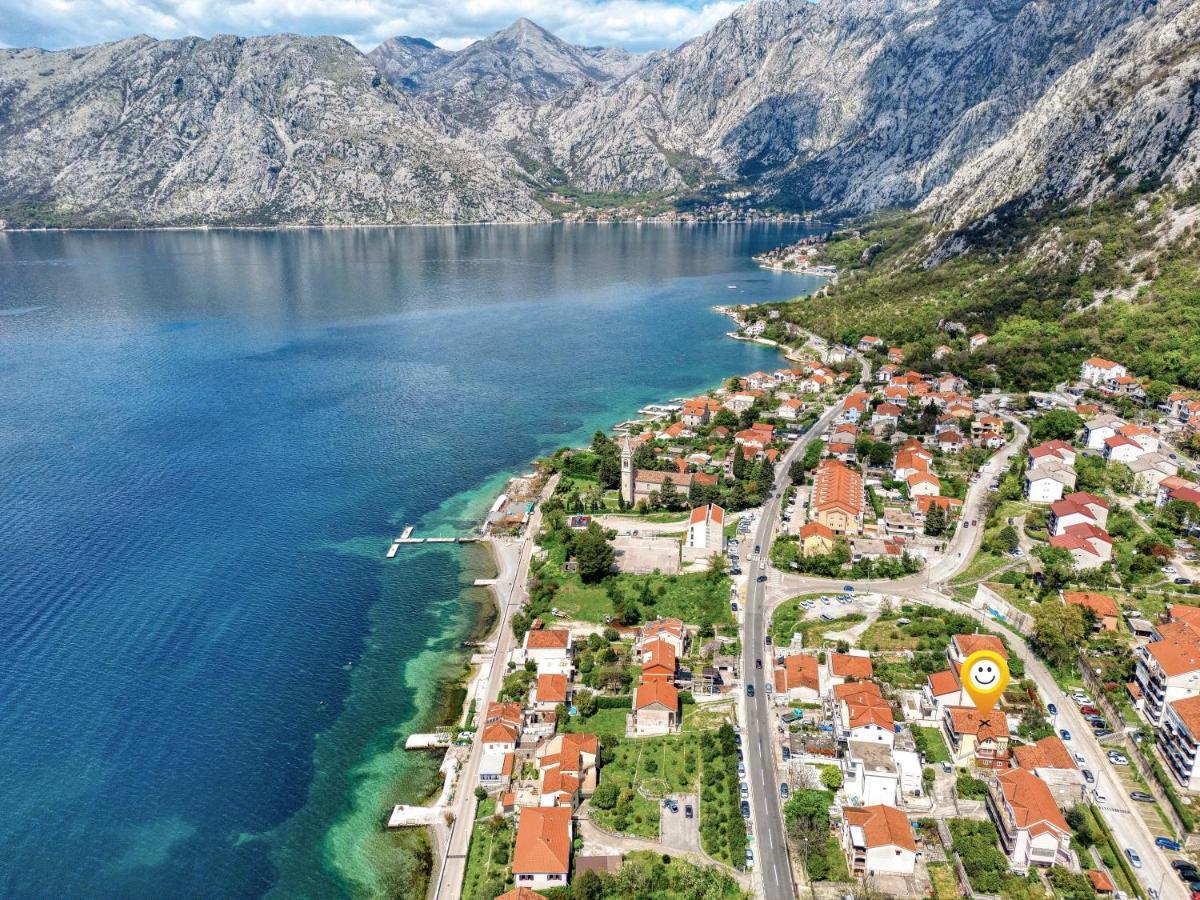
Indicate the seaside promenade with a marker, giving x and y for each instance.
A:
(512, 560)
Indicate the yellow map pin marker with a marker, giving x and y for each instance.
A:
(984, 677)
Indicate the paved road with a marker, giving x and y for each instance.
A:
(772, 863)
(510, 586)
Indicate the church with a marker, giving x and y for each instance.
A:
(638, 484)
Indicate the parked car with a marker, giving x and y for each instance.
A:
(733, 607)
(749, 857)
(1141, 796)
(758, 664)
(1088, 776)
(1052, 709)
(1168, 570)
(1089, 710)
(745, 809)
(688, 812)
(745, 789)
(1103, 732)
(1079, 759)
(1117, 759)
(737, 738)
(1064, 734)
(1183, 581)
(787, 754)
(1167, 844)
(848, 588)
(761, 578)
(1100, 796)
(783, 790)
(749, 690)
(1134, 859)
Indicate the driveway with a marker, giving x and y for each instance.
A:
(675, 829)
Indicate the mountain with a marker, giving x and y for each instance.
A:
(512, 70)
(270, 130)
(863, 104)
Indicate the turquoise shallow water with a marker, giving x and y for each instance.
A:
(207, 440)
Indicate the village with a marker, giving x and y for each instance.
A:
(877, 522)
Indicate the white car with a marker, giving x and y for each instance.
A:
(1117, 759)
(1168, 570)
(1079, 759)
(1100, 796)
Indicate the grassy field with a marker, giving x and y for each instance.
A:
(605, 723)
(932, 743)
(489, 855)
(694, 598)
(644, 770)
(945, 885)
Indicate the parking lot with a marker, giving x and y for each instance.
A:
(675, 829)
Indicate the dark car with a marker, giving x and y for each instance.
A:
(737, 739)
(758, 664)
(1167, 844)
(1141, 796)
(758, 548)
(1184, 868)
(749, 690)
(767, 639)
(1064, 734)
(735, 571)
(783, 790)
(745, 809)
(1088, 776)
(687, 811)
(1052, 709)
(1182, 580)
(761, 578)
(787, 754)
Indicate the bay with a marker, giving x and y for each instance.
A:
(207, 441)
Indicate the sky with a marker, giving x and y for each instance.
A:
(633, 24)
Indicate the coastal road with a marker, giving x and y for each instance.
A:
(772, 863)
(510, 589)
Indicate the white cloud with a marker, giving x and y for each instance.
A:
(634, 24)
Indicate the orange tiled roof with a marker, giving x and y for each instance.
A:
(656, 690)
(662, 626)
(844, 665)
(543, 842)
(701, 514)
(552, 688)
(547, 639)
(1179, 650)
(942, 683)
(1048, 753)
(521, 893)
(1032, 803)
(659, 656)
(969, 643)
(1188, 711)
(883, 826)
(801, 671)
(967, 720)
(815, 528)
(837, 486)
(1101, 882)
(1101, 604)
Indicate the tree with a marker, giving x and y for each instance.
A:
(605, 795)
(1059, 631)
(935, 520)
(1057, 424)
(831, 777)
(1008, 539)
(585, 703)
(587, 885)
(609, 473)
(668, 495)
(593, 553)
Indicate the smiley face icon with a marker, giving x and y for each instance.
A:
(984, 676)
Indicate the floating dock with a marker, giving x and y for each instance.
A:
(429, 741)
(407, 538)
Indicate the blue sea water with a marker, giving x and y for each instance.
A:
(207, 441)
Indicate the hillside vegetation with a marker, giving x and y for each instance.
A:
(1120, 279)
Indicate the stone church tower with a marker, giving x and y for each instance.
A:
(627, 473)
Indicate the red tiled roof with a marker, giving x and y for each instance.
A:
(883, 826)
(943, 683)
(844, 665)
(969, 643)
(967, 720)
(547, 639)
(543, 842)
(656, 690)
(552, 688)
(1048, 753)
(800, 671)
(1102, 605)
(1188, 711)
(1032, 803)
(1179, 650)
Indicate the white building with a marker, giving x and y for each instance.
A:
(1096, 371)
(1178, 738)
(1099, 429)
(706, 529)
(542, 850)
(1048, 480)
(869, 774)
(1032, 830)
(878, 840)
(1168, 669)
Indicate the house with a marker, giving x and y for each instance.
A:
(1149, 470)
(1076, 509)
(502, 726)
(669, 630)
(1168, 668)
(542, 851)
(1102, 606)
(1090, 546)
(550, 691)
(1050, 761)
(548, 645)
(950, 442)
(974, 739)
(815, 539)
(869, 342)
(949, 505)
(878, 840)
(942, 351)
(658, 660)
(863, 714)
(1096, 370)
(1122, 449)
(941, 689)
(699, 411)
(910, 462)
(706, 529)
(1124, 386)
(870, 773)
(923, 484)
(798, 678)
(837, 498)
(655, 708)
(1048, 480)
(977, 341)
(963, 645)
(1099, 429)
(1047, 450)
(567, 769)
(1178, 738)
(844, 667)
(855, 406)
(1032, 830)
(790, 409)
(1143, 435)
(521, 893)
(496, 768)
(886, 414)
(895, 354)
